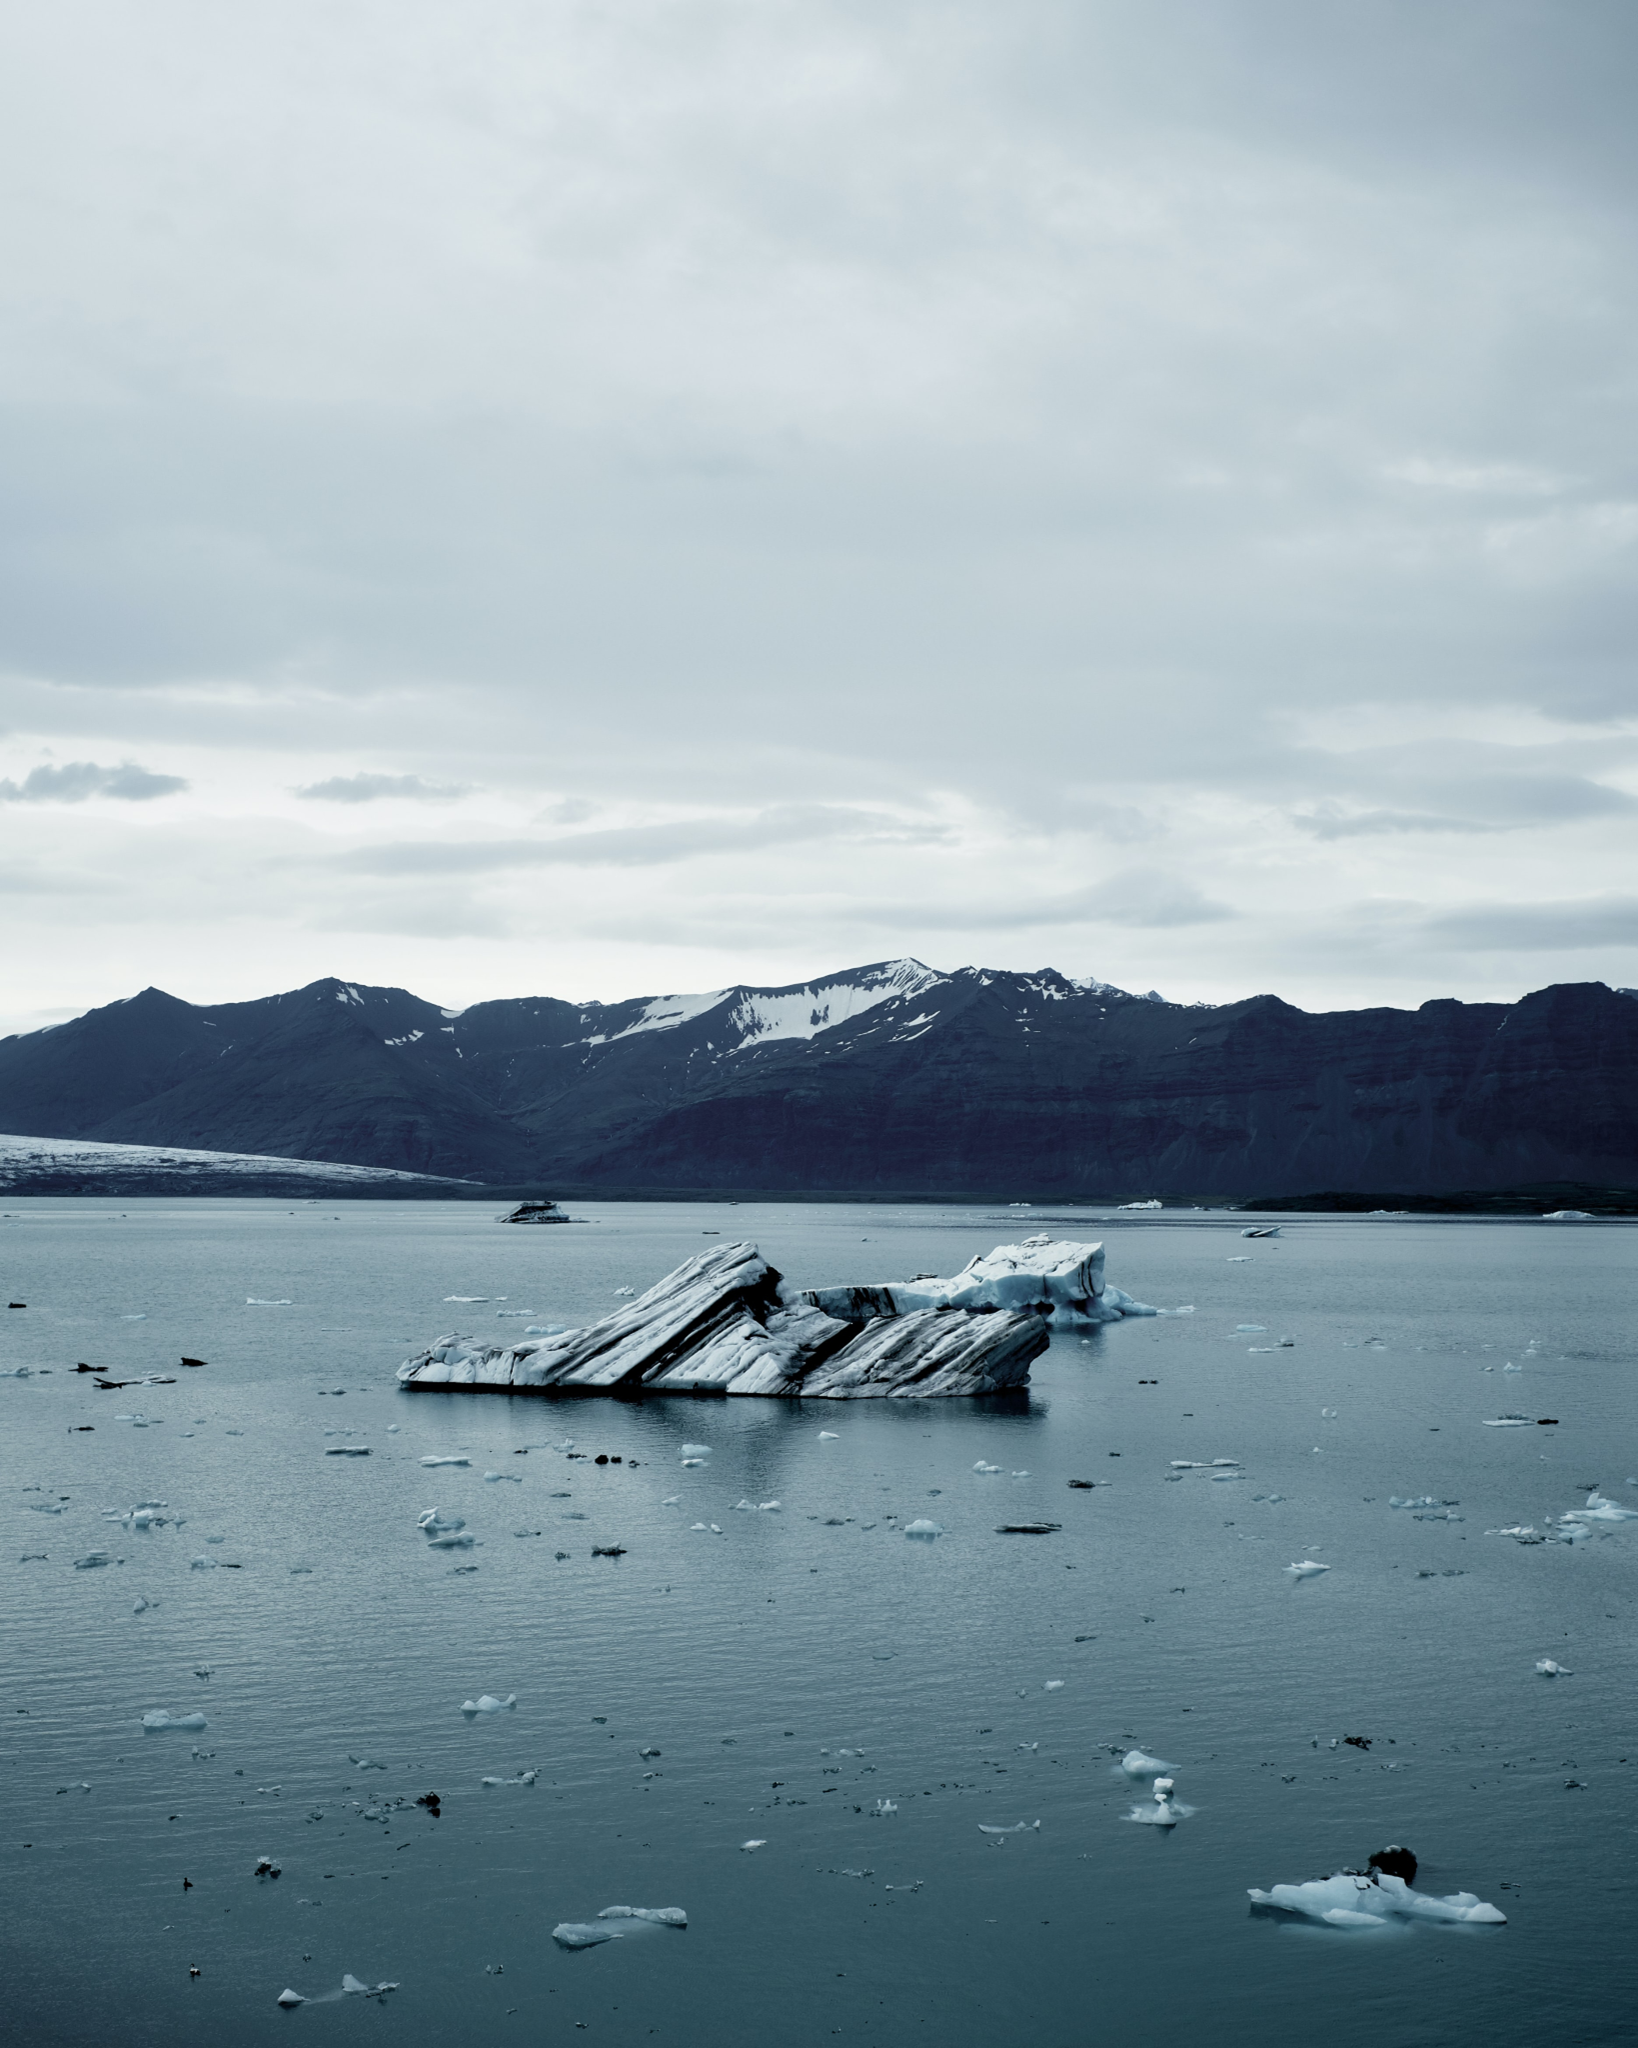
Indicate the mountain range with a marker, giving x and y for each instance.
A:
(891, 1079)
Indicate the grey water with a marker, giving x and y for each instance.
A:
(778, 1677)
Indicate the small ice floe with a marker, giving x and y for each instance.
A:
(1307, 1568)
(582, 1933)
(347, 1450)
(885, 1806)
(672, 1502)
(444, 1532)
(1218, 1477)
(1053, 1685)
(1020, 1827)
(1267, 1230)
(157, 1718)
(1507, 1422)
(1188, 1465)
(1166, 1812)
(1240, 1259)
(522, 1778)
(92, 1561)
(486, 1703)
(982, 1467)
(1250, 1329)
(827, 1436)
(203, 1563)
(1373, 1898)
(350, 1988)
(466, 1300)
(923, 1530)
(1549, 1669)
(1186, 1310)
(446, 1461)
(263, 1301)
(1569, 1216)
(696, 1450)
(624, 1293)
(1599, 1509)
(1511, 1367)
(758, 1842)
(492, 1478)
(1137, 1764)
(661, 1916)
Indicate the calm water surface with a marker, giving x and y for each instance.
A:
(754, 1660)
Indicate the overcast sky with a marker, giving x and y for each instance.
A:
(525, 497)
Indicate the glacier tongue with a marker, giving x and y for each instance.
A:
(725, 1323)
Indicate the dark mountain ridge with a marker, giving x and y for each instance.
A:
(889, 1078)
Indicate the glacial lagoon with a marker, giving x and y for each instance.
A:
(887, 1718)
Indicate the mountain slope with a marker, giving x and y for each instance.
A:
(892, 1077)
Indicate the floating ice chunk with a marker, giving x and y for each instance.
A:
(446, 1461)
(92, 1560)
(1228, 1475)
(351, 1988)
(885, 1806)
(827, 1436)
(1598, 1509)
(1354, 1899)
(1137, 1764)
(1511, 1367)
(1549, 1669)
(158, 1718)
(522, 1778)
(491, 1478)
(1186, 1310)
(672, 1502)
(466, 1300)
(347, 1451)
(1022, 1827)
(982, 1467)
(58, 1507)
(582, 1934)
(924, 1529)
(262, 1301)
(624, 1293)
(1188, 1465)
(1308, 1569)
(1568, 1216)
(486, 1703)
(290, 1999)
(696, 1450)
(1249, 1329)
(758, 1842)
(1507, 1422)
(769, 1507)
(1166, 1811)
(203, 1563)
(1053, 1685)
(662, 1916)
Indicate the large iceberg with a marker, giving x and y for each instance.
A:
(726, 1323)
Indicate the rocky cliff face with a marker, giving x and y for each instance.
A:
(890, 1078)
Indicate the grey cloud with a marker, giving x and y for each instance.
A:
(75, 781)
(367, 789)
(1330, 822)
(642, 845)
(1140, 899)
(1573, 926)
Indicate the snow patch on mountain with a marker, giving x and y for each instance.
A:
(821, 1006)
(760, 1015)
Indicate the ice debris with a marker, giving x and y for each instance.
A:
(486, 1703)
(662, 1916)
(757, 1842)
(924, 1529)
(1549, 1669)
(1020, 1827)
(1136, 1764)
(158, 1718)
(446, 1461)
(1307, 1569)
